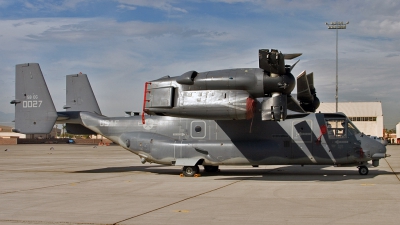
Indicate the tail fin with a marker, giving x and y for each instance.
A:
(34, 108)
(80, 95)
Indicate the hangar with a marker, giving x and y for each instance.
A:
(367, 116)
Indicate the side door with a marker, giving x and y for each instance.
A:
(302, 138)
(338, 139)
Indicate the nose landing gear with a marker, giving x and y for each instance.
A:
(362, 170)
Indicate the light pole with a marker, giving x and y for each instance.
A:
(337, 25)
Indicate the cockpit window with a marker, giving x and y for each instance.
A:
(352, 129)
(336, 128)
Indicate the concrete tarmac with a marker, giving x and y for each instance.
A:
(83, 184)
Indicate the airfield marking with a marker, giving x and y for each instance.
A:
(188, 198)
(174, 203)
(58, 185)
(50, 222)
(181, 211)
(367, 184)
(392, 170)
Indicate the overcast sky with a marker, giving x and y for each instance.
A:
(121, 44)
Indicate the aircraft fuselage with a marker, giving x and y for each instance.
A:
(187, 142)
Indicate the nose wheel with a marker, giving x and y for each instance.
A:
(362, 170)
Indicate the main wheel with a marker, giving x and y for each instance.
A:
(211, 169)
(363, 170)
(190, 171)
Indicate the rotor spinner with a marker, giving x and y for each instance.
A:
(278, 83)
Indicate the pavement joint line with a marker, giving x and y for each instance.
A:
(52, 222)
(174, 203)
(58, 185)
(38, 171)
(188, 198)
(392, 170)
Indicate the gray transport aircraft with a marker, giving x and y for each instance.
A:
(226, 117)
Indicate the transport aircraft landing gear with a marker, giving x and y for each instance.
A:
(211, 169)
(362, 170)
(190, 171)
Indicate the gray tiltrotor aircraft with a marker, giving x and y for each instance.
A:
(210, 119)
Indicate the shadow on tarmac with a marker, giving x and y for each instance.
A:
(284, 173)
(294, 173)
(124, 169)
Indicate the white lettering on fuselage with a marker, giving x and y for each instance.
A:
(31, 104)
(148, 124)
(29, 97)
(109, 123)
(32, 101)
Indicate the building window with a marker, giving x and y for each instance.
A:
(362, 118)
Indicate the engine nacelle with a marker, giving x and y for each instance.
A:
(202, 104)
(224, 94)
(274, 108)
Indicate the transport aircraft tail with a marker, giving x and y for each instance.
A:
(34, 108)
(80, 96)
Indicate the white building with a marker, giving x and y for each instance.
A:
(367, 116)
(398, 131)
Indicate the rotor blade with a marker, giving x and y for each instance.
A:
(303, 88)
(293, 105)
(292, 55)
(310, 79)
(294, 65)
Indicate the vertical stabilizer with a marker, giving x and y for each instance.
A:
(80, 96)
(34, 108)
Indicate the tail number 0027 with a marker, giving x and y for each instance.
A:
(31, 103)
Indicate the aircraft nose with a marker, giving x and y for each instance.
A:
(379, 151)
(373, 149)
(371, 145)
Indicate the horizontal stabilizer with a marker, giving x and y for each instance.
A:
(78, 129)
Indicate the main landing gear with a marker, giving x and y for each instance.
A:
(190, 171)
(362, 170)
